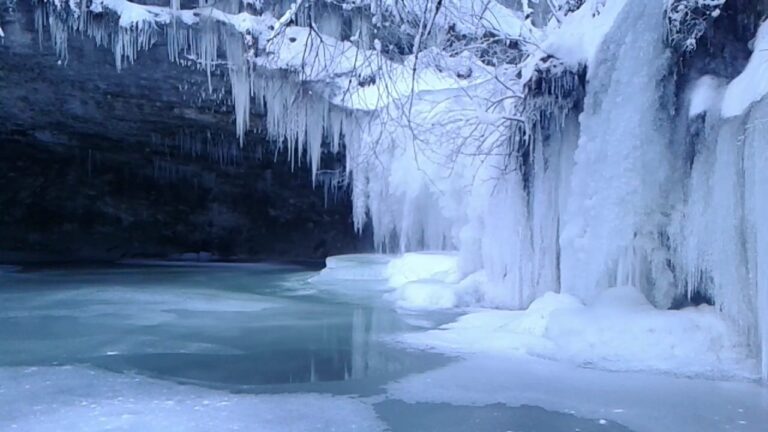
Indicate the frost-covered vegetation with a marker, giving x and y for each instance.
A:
(558, 146)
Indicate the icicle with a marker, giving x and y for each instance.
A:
(208, 47)
(59, 36)
(240, 80)
(315, 114)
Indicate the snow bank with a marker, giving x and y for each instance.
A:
(751, 85)
(621, 331)
(578, 38)
(80, 399)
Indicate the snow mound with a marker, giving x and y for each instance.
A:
(434, 294)
(409, 267)
(425, 294)
(429, 280)
(578, 38)
(354, 267)
(621, 331)
(79, 399)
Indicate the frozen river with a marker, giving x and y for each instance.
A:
(258, 348)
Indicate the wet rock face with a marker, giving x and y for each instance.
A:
(100, 164)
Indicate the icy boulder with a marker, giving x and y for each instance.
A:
(354, 267)
(426, 294)
(437, 294)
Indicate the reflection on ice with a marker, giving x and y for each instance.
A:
(218, 326)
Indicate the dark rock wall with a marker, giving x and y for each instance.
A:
(96, 164)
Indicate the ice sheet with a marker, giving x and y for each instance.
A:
(78, 399)
(642, 402)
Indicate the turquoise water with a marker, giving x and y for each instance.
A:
(219, 332)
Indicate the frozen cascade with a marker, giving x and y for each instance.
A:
(552, 165)
(757, 131)
(722, 238)
(729, 256)
(611, 233)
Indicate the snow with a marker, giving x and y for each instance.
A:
(47, 399)
(751, 85)
(348, 68)
(470, 17)
(426, 294)
(620, 331)
(431, 294)
(578, 38)
(409, 267)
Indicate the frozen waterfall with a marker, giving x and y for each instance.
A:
(619, 186)
(540, 178)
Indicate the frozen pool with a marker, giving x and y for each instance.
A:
(258, 348)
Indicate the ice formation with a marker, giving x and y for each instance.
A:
(642, 402)
(546, 144)
(619, 331)
(84, 399)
